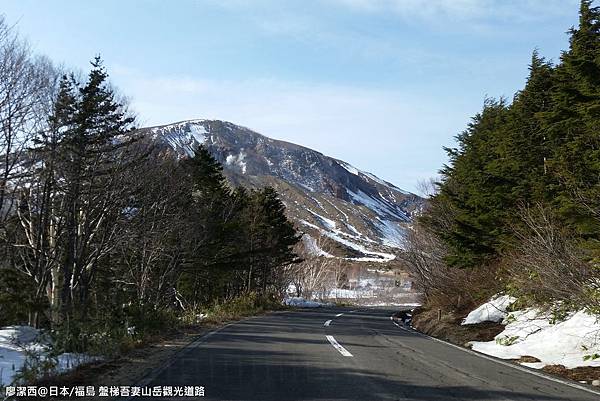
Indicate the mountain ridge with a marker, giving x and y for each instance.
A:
(358, 215)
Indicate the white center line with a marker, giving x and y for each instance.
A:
(339, 314)
(337, 346)
(327, 323)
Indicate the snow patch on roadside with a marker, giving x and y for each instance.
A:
(350, 294)
(572, 342)
(17, 341)
(300, 302)
(492, 311)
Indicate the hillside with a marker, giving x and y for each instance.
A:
(347, 211)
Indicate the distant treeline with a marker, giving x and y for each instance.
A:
(517, 208)
(102, 233)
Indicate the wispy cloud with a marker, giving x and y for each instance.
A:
(377, 130)
(325, 23)
(422, 10)
(471, 10)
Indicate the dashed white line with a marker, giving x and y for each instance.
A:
(339, 314)
(327, 323)
(337, 346)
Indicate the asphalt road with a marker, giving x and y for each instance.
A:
(289, 356)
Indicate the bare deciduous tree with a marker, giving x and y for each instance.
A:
(27, 85)
(547, 264)
(316, 273)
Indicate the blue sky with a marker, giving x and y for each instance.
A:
(381, 84)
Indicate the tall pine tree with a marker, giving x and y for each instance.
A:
(573, 127)
(95, 131)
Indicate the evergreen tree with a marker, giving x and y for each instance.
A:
(527, 146)
(239, 237)
(573, 127)
(94, 131)
(475, 188)
(500, 165)
(270, 238)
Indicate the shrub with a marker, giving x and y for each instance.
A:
(547, 265)
(507, 340)
(113, 334)
(243, 305)
(444, 286)
(37, 365)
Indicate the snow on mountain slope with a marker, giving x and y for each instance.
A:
(359, 215)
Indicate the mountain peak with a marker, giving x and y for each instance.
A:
(361, 214)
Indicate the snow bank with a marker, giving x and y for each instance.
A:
(492, 311)
(300, 302)
(17, 341)
(530, 332)
(18, 335)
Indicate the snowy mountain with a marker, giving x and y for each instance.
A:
(344, 211)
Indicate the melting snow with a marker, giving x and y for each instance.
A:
(318, 202)
(380, 207)
(313, 247)
(371, 256)
(353, 170)
(338, 209)
(350, 294)
(492, 311)
(530, 332)
(393, 234)
(184, 136)
(330, 224)
(300, 302)
(16, 341)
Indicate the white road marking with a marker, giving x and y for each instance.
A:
(327, 323)
(337, 346)
(339, 314)
(352, 311)
(499, 361)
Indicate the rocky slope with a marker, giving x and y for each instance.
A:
(344, 211)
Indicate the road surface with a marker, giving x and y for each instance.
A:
(345, 354)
